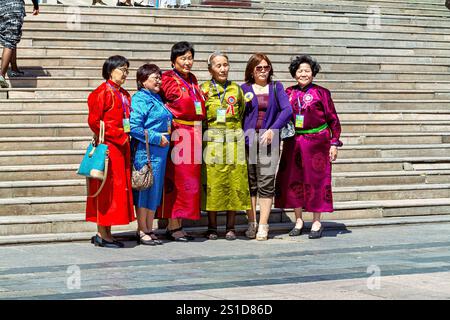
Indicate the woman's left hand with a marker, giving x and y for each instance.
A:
(333, 153)
(267, 137)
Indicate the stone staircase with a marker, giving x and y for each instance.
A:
(391, 87)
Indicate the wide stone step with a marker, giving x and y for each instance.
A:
(342, 105)
(394, 151)
(350, 8)
(282, 63)
(50, 81)
(43, 117)
(234, 41)
(80, 116)
(390, 164)
(162, 51)
(287, 28)
(78, 93)
(39, 157)
(72, 227)
(353, 179)
(39, 172)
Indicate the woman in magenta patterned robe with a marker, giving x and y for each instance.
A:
(304, 175)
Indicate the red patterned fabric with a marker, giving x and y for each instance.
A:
(114, 204)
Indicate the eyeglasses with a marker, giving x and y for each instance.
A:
(260, 68)
(156, 79)
(124, 70)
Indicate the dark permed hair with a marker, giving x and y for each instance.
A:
(144, 72)
(181, 48)
(112, 63)
(297, 61)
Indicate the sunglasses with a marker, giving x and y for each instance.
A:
(260, 68)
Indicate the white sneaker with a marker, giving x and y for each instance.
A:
(3, 83)
(263, 232)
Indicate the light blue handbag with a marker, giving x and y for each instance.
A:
(95, 162)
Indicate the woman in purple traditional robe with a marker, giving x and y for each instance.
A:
(304, 175)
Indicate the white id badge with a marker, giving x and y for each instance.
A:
(299, 119)
(198, 108)
(126, 125)
(221, 115)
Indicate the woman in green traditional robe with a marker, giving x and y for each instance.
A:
(224, 171)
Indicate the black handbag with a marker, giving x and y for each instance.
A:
(143, 179)
(288, 131)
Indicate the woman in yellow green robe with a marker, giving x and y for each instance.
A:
(224, 170)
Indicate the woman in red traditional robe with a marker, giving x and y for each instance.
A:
(185, 100)
(110, 103)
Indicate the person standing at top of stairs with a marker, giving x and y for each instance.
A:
(12, 14)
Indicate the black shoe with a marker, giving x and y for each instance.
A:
(190, 238)
(296, 232)
(137, 4)
(123, 4)
(99, 242)
(169, 235)
(144, 242)
(211, 234)
(316, 234)
(156, 241)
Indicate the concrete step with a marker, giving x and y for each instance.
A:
(200, 25)
(42, 117)
(293, 10)
(39, 157)
(44, 143)
(342, 105)
(79, 93)
(390, 164)
(39, 172)
(48, 81)
(353, 179)
(239, 41)
(161, 52)
(76, 187)
(70, 227)
(82, 129)
(282, 74)
(394, 151)
(128, 232)
(279, 63)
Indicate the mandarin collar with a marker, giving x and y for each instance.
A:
(115, 85)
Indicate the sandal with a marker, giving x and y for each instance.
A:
(230, 235)
(211, 234)
(154, 238)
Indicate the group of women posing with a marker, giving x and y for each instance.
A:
(174, 110)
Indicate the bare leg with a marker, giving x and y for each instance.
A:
(142, 214)
(14, 61)
(298, 218)
(6, 59)
(231, 220)
(150, 219)
(212, 220)
(266, 207)
(104, 233)
(316, 221)
(251, 214)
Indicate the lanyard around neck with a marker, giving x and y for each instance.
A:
(190, 86)
(121, 98)
(218, 93)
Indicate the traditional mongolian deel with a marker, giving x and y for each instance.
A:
(304, 174)
(182, 183)
(149, 113)
(114, 204)
(224, 172)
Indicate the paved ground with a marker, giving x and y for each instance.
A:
(412, 261)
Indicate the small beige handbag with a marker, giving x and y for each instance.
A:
(143, 179)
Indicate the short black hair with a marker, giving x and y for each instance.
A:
(144, 72)
(181, 48)
(298, 60)
(112, 63)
